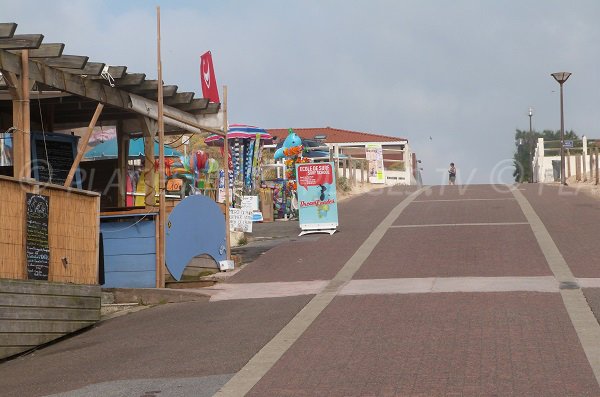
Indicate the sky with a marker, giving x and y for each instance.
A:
(455, 78)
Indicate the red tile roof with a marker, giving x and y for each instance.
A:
(334, 135)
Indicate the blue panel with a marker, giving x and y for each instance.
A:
(129, 254)
(196, 226)
(130, 263)
(112, 230)
(130, 280)
(134, 246)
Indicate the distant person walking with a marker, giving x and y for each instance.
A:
(451, 174)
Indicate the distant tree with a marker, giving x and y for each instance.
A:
(526, 142)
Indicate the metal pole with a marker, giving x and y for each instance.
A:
(562, 139)
(530, 148)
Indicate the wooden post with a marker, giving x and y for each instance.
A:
(226, 166)
(344, 167)
(578, 167)
(26, 161)
(362, 171)
(162, 212)
(83, 144)
(15, 88)
(122, 158)
(568, 159)
(352, 172)
(149, 130)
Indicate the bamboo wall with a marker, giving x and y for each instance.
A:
(73, 229)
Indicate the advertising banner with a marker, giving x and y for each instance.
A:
(207, 77)
(374, 155)
(317, 199)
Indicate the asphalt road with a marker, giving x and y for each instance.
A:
(444, 291)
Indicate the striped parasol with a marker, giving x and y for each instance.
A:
(240, 131)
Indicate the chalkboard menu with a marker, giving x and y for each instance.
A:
(37, 249)
(53, 155)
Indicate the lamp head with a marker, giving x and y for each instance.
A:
(561, 77)
(530, 112)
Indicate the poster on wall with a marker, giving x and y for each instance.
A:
(374, 155)
(317, 198)
(37, 250)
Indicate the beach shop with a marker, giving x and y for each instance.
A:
(51, 253)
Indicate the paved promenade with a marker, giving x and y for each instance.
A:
(442, 291)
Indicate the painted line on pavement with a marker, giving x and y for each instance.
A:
(582, 318)
(450, 284)
(268, 290)
(464, 199)
(463, 224)
(589, 282)
(262, 361)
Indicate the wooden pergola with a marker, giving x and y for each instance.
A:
(71, 91)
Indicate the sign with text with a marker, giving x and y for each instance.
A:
(240, 220)
(374, 155)
(37, 250)
(317, 196)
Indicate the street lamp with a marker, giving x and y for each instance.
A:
(561, 77)
(530, 147)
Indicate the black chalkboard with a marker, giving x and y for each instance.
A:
(37, 250)
(53, 155)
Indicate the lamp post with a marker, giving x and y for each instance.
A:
(561, 77)
(530, 147)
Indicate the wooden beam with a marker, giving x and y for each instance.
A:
(67, 61)
(90, 68)
(146, 86)
(83, 145)
(195, 104)
(25, 90)
(21, 41)
(212, 108)
(130, 79)
(116, 72)
(180, 98)
(162, 212)
(100, 92)
(167, 91)
(47, 50)
(7, 30)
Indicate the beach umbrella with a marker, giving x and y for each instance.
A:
(108, 149)
(240, 131)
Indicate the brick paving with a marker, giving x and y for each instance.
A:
(571, 218)
(394, 344)
(494, 344)
(321, 259)
(177, 340)
(467, 211)
(456, 252)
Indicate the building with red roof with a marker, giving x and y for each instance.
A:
(400, 162)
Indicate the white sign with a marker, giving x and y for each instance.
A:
(240, 220)
(374, 155)
(250, 203)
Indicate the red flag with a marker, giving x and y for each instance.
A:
(207, 76)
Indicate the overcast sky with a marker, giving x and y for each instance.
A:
(456, 78)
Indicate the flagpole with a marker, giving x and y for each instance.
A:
(161, 164)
